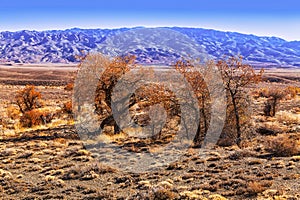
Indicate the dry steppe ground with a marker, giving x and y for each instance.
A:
(50, 161)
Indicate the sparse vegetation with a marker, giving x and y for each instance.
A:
(49, 161)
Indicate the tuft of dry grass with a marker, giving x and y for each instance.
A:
(88, 172)
(255, 187)
(164, 194)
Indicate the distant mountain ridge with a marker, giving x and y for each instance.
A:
(61, 46)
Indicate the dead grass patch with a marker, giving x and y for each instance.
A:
(256, 187)
(288, 118)
(282, 146)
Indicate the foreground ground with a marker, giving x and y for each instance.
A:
(50, 161)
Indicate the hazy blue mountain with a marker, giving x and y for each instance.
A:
(63, 45)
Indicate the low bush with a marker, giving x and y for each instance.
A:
(35, 117)
(67, 107)
(69, 87)
(164, 194)
(283, 146)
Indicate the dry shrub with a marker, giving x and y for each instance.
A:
(69, 87)
(272, 92)
(255, 187)
(35, 118)
(282, 146)
(289, 92)
(262, 92)
(256, 92)
(67, 107)
(274, 96)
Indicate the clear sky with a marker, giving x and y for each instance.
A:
(260, 17)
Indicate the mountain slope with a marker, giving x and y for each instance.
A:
(64, 45)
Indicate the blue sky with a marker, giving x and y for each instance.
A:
(261, 17)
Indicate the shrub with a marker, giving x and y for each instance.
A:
(69, 87)
(28, 99)
(282, 146)
(67, 107)
(35, 118)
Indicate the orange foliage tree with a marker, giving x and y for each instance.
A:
(113, 70)
(28, 98)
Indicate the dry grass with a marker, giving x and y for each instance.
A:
(13, 112)
(60, 168)
(164, 194)
(288, 118)
(255, 187)
(283, 146)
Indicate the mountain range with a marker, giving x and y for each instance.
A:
(62, 46)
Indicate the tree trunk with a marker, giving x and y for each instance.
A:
(112, 122)
(204, 116)
(237, 120)
(197, 138)
(274, 107)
